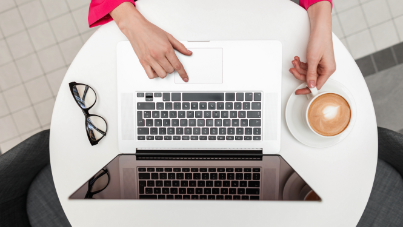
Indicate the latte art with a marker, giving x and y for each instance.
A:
(329, 114)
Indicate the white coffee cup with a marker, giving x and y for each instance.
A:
(314, 95)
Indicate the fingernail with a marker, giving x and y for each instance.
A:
(186, 79)
(293, 63)
(311, 84)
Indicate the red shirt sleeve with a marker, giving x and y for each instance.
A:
(306, 3)
(99, 11)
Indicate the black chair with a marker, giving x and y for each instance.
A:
(28, 195)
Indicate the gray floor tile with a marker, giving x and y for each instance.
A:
(55, 8)
(38, 90)
(384, 59)
(26, 120)
(32, 13)
(29, 67)
(366, 65)
(20, 44)
(74, 4)
(396, 7)
(20, 2)
(5, 55)
(386, 90)
(11, 22)
(17, 98)
(9, 76)
(399, 26)
(352, 20)
(376, 12)
(5, 5)
(7, 129)
(384, 35)
(3, 106)
(70, 48)
(398, 49)
(55, 79)
(42, 36)
(64, 27)
(44, 111)
(360, 44)
(81, 19)
(51, 58)
(342, 5)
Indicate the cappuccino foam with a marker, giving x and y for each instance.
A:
(329, 114)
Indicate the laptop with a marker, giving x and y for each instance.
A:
(214, 138)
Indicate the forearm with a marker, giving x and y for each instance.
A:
(127, 16)
(320, 17)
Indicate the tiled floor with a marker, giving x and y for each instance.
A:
(38, 41)
(40, 38)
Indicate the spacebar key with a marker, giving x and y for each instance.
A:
(203, 96)
(148, 197)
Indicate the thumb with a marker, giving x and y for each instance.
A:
(178, 45)
(312, 74)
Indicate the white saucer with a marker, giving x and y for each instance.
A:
(295, 116)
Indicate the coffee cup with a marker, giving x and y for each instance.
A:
(328, 114)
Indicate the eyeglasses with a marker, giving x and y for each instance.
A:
(86, 98)
(102, 181)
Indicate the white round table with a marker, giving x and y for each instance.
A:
(342, 175)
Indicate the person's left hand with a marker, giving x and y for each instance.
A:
(320, 56)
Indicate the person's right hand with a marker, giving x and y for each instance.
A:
(153, 46)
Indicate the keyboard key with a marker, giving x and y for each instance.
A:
(205, 176)
(229, 96)
(247, 176)
(184, 183)
(178, 196)
(224, 114)
(157, 190)
(256, 105)
(143, 131)
(168, 169)
(203, 197)
(239, 96)
(185, 137)
(218, 122)
(194, 138)
(209, 183)
(168, 105)
(205, 131)
(217, 183)
(157, 94)
(167, 137)
(150, 183)
(181, 114)
(141, 169)
(247, 169)
(209, 122)
(183, 122)
(247, 137)
(165, 190)
(235, 122)
(215, 191)
(164, 114)
(179, 176)
(256, 176)
(173, 114)
(230, 176)
(150, 137)
(157, 122)
(163, 176)
(258, 97)
(140, 94)
(254, 114)
(146, 106)
(177, 106)
(244, 122)
(256, 170)
(192, 183)
(185, 106)
(222, 131)
(239, 176)
(175, 122)
(154, 176)
(161, 196)
(194, 106)
(201, 183)
(213, 176)
(199, 114)
(203, 169)
(199, 190)
(233, 114)
(162, 131)
(179, 131)
(211, 197)
(231, 131)
(200, 122)
(160, 105)
(141, 137)
(207, 191)
(245, 197)
(159, 138)
(235, 183)
(237, 106)
(246, 105)
(241, 114)
(177, 169)
(166, 97)
(254, 197)
(194, 170)
(253, 183)
(255, 122)
(221, 176)
(170, 197)
(236, 197)
(192, 122)
(227, 122)
(224, 190)
(196, 176)
(241, 190)
(144, 175)
(175, 191)
(238, 169)
(166, 122)
(207, 114)
(212, 138)
(211, 105)
(142, 185)
(171, 131)
(229, 106)
(212, 170)
(148, 196)
(220, 105)
(190, 191)
(203, 97)
(219, 197)
(176, 97)
(216, 114)
(177, 138)
(257, 131)
(213, 131)
(188, 131)
(171, 176)
(188, 176)
(167, 183)
(248, 131)
(252, 191)
(203, 105)
(149, 122)
(195, 197)
(203, 137)
(230, 137)
(196, 131)
(175, 183)
(150, 169)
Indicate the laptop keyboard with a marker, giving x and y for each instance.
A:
(199, 116)
(204, 183)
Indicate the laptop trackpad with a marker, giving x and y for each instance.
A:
(203, 67)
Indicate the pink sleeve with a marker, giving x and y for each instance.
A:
(99, 11)
(306, 3)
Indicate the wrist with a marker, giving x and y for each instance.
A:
(320, 17)
(125, 15)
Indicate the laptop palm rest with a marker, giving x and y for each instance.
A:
(204, 66)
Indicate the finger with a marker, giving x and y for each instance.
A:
(312, 75)
(149, 71)
(303, 65)
(178, 45)
(297, 75)
(158, 69)
(303, 91)
(297, 66)
(173, 59)
(166, 65)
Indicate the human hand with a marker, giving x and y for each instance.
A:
(320, 63)
(153, 46)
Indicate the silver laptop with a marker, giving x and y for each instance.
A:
(212, 138)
